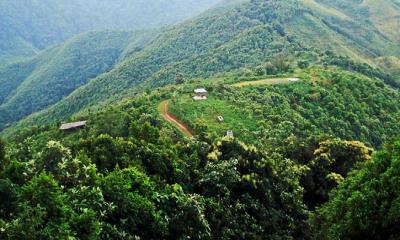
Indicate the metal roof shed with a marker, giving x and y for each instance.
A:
(200, 91)
(73, 125)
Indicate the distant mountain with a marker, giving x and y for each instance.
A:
(27, 26)
(236, 34)
(32, 85)
(384, 15)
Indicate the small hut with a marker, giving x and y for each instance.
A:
(200, 94)
(73, 126)
(220, 119)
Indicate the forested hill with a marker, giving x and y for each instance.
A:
(383, 14)
(243, 36)
(32, 85)
(130, 175)
(27, 26)
(296, 137)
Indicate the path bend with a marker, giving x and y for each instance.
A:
(163, 109)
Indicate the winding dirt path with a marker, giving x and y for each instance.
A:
(163, 109)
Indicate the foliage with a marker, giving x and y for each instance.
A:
(255, 34)
(299, 166)
(2, 152)
(332, 161)
(30, 26)
(330, 102)
(366, 203)
(141, 183)
(55, 73)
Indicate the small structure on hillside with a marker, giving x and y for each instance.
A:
(220, 119)
(200, 94)
(229, 133)
(73, 125)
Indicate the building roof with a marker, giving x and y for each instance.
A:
(67, 126)
(200, 90)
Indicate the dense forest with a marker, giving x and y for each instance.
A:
(130, 175)
(296, 135)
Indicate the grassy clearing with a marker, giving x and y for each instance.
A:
(207, 111)
(271, 81)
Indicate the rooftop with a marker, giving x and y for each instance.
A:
(200, 90)
(67, 126)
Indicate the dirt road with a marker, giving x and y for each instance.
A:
(163, 109)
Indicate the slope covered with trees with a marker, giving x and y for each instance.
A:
(28, 26)
(374, 192)
(302, 163)
(125, 177)
(329, 101)
(130, 175)
(245, 36)
(32, 85)
(384, 15)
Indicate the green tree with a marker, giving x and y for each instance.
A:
(179, 78)
(43, 212)
(260, 71)
(131, 193)
(52, 155)
(8, 196)
(187, 213)
(303, 64)
(144, 131)
(366, 204)
(332, 161)
(263, 181)
(108, 152)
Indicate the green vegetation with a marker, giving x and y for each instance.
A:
(329, 102)
(316, 158)
(366, 204)
(268, 81)
(384, 14)
(124, 177)
(29, 26)
(46, 79)
(130, 174)
(203, 115)
(253, 34)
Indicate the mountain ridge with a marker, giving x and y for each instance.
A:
(253, 33)
(28, 26)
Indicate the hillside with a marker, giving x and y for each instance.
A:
(257, 119)
(253, 33)
(129, 163)
(384, 15)
(331, 102)
(28, 26)
(32, 85)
